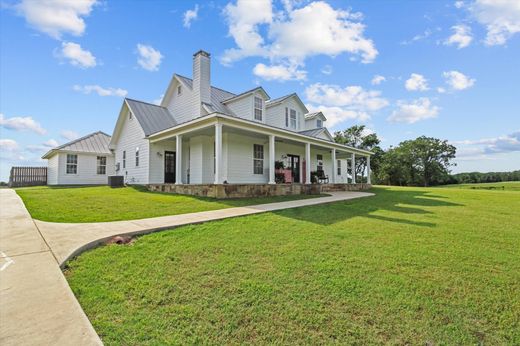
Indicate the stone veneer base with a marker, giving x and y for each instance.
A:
(223, 191)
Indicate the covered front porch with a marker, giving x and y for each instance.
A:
(243, 156)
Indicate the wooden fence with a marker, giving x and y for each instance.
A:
(27, 176)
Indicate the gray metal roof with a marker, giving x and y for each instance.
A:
(94, 143)
(313, 132)
(279, 99)
(152, 118)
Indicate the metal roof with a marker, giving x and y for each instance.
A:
(314, 132)
(152, 118)
(94, 143)
(279, 99)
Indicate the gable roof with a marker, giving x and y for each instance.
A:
(152, 118)
(316, 132)
(310, 116)
(278, 100)
(247, 93)
(94, 143)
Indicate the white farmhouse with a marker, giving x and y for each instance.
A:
(201, 139)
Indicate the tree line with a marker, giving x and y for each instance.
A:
(424, 161)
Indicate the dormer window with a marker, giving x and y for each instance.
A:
(292, 119)
(319, 123)
(259, 106)
(179, 90)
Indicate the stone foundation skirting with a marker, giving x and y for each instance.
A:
(254, 190)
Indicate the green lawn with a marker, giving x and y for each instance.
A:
(102, 203)
(503, 185)
(408, 266)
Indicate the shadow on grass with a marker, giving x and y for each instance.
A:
(406, 202)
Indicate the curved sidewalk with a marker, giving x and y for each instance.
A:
(37, 306)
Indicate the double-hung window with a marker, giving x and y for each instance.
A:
(259, 106)
(339, 167)
(293, 119)
(319, 123)
(319, 159)
(258, 159)
(101, 165)
(137, 157)
(72, 164)
(124, 158)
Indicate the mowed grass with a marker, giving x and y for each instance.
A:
(411, 266)
(502, 185)
(102, 203)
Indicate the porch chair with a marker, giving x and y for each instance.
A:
(322, 178)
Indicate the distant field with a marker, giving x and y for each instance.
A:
(503, 185)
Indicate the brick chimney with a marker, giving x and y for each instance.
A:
(201, 79)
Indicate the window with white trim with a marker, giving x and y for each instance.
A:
(319, 160)
(258, 159)
(292, 119)
(286, 117)
(102, 165)
(259, 106)
(137, 156)
(319, 123)
(339, 167)
(179, 90)
(72, 164)
(124, 158)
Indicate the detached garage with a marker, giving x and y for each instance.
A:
(84, 161)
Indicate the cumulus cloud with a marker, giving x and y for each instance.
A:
(149, 57)
(340, 104)
(190, 16)
(21, 124)
(76, 55)
(461, 36)
(8, 145)
(500, 18)
(419, 37)
(88, 89)
(489, 146)
(457, 80)
(69, 135)
(158, 100)
(56, 17)
(279, 72)
(416, 82)
(378, 79)
(414, 111)
(289, 36)
(45, 146)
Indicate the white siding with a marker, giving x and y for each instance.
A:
(183, 106)
(238, 154)
(86, 171)
(276, 115)
(327, 161)
(52, 169)
(313, 123)
(131, 137)
(201, 160)
(157, 160)
(343, 177)
(282, 149)
(244, 107)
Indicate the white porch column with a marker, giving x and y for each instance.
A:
(271, 159)
(368, 170)
(353, 167)
(178, 160)
(307, 163)
(334, 168)
(218, 153)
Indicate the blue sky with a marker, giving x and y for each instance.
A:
(448, 69)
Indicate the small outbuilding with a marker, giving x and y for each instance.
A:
(84, 161)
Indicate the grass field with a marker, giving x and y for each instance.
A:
(102, 203)
(503, 185)
(407, 266)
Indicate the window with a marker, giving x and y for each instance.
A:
(286, 117)
(129, 115)
(72, 164)
(101, 165)
(319, 123)
(137, 157)
(179, 90)
(258, 159)
(124, 158)
(339, 167)
(293, 119)
(259, 105)
(319, 159)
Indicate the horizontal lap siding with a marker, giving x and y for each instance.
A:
(157, 160)
(52, 169)
(243, 107)
(86, 170)
(183, 107)
(201, 160)
(239, 151)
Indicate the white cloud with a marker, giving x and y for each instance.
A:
(21, 124)
(457, 80)
(461, 36)
(88, 89)
(8, 145)
(45, 146)
(69, 135)
(378, 79)
(416, 82)
(340, 104)
(158, 100)
(190, 16)
(500, 17)
(327, 69)
(441, 90)
(76, 55)
(294, 34)
(56, 17)
(279, 72)
(458, 4)
(427, 33)
(414, 111)
(149, 57)
(489, 146)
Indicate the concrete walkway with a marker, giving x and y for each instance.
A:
(37, 306)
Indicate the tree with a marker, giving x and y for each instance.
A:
(358, 136)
